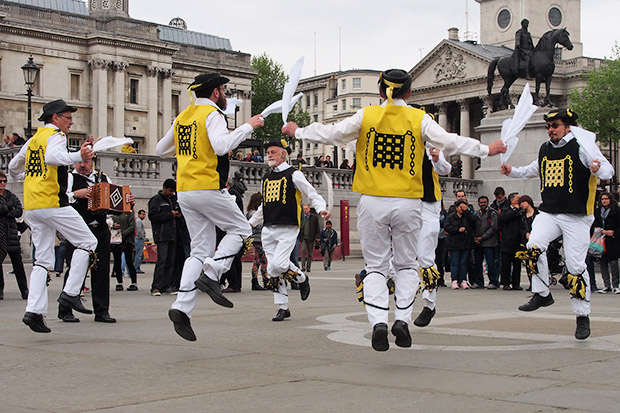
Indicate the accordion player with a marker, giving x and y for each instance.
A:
(109, 198)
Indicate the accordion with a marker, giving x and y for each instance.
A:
(110, 198)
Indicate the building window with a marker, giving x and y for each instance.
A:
(503, 18)
(175, 104)
(307, 101)
(315, 118)
(555, 16)
(344, 84)
(357, 103)
(307, 146)
(357, 83)
(335, 107)
(133, 91)
(344, 104)
(75, 86)
(316, 99)
(74, 144)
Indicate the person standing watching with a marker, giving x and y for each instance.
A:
(10, 209)
(139, 241)
(607, 217)
(460, 228)
(510, 269)
(44, 160)
(162, 215)
(308, 233)
(126, 223)
(486, 240)
(329, 240)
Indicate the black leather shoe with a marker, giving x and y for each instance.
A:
(182, 325)
(304, 289)
(380, 337)
(68, 318)
(104, 318)
(294, 286)
(73, 302)
(281, 315)
(36, 323)
(583, 328)
(536, 302)
(401, 330)
(425, 317)
(211, 287)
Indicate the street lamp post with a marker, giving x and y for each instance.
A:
(31, 70)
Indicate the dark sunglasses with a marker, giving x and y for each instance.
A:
(2, 181)
(553, 125)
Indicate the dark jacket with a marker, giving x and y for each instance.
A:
(460, 240)
(314, 226)
(612, 222)
(525, 225)
(329, 240)
(510, 224)
(127, 221)
(10, 209)
(487, 227)
(162, 220)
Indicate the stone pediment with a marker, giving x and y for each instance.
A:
(454, 62)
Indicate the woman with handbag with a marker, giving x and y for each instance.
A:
(607, 216)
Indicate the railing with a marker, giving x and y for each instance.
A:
(152, 171)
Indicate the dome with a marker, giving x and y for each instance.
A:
(179, 23)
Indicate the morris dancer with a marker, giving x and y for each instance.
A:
(568, 173)
(200, 139)
(280, 212)
(45, 158)
(390, 146)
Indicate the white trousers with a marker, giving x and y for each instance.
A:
(43, 226)
(384, 223)
(575, 231)
(427, 243)
(278, 243)
(203, 211)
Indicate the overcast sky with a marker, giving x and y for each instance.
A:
(374, 35)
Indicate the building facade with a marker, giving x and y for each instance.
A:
(127, 77)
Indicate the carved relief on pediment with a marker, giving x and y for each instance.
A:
(450, 66)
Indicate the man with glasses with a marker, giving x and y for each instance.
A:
(568, 165)
(44, 161)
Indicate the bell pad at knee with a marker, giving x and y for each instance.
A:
(577, 286)
(530, 259)
(430, 276)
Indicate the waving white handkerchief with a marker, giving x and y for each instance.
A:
(290, 87)
(110, 142)
(511, 127)
(276, 107)
(587, 140)
(231, 105)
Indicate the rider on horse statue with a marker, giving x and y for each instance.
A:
(524, 48)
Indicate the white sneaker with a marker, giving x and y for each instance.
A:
(464, 285)
(616, 290)
(455, 285)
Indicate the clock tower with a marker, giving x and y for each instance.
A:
(500, 19)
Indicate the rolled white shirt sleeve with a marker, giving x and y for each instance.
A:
(338, 134)
(605, 171)
(18, 164)
(221, 139)
(57, 154)
(525, 172)
(314, 199)
(165, 147)
(257, 217)
(442, 167)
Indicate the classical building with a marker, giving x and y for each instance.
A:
(331, 97)
(451, 80)
(127, 77)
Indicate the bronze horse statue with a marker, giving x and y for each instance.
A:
(542, 70)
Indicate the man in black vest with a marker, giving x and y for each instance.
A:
(79, 191)
(281, 212)
(568, 165)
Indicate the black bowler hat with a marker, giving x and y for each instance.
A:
(281, 143)
(566, 115)
(208, 80)
(54, 107)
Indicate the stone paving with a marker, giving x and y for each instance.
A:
(479, 354)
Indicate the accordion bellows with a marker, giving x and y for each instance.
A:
(108, 197)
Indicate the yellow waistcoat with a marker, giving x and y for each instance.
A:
(389, 152)
(198, 167)
(44, 186)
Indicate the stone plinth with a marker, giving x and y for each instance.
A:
(530, 139)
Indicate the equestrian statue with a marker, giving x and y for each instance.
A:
(520, 65)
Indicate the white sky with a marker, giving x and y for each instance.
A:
(374, 35)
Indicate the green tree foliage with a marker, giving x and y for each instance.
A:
(598, 104)
(267, 86)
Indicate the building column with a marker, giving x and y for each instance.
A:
(152, 87)
(443, 116)
(166, 101)
(119, 98)
(99, 96)
(465, 131)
